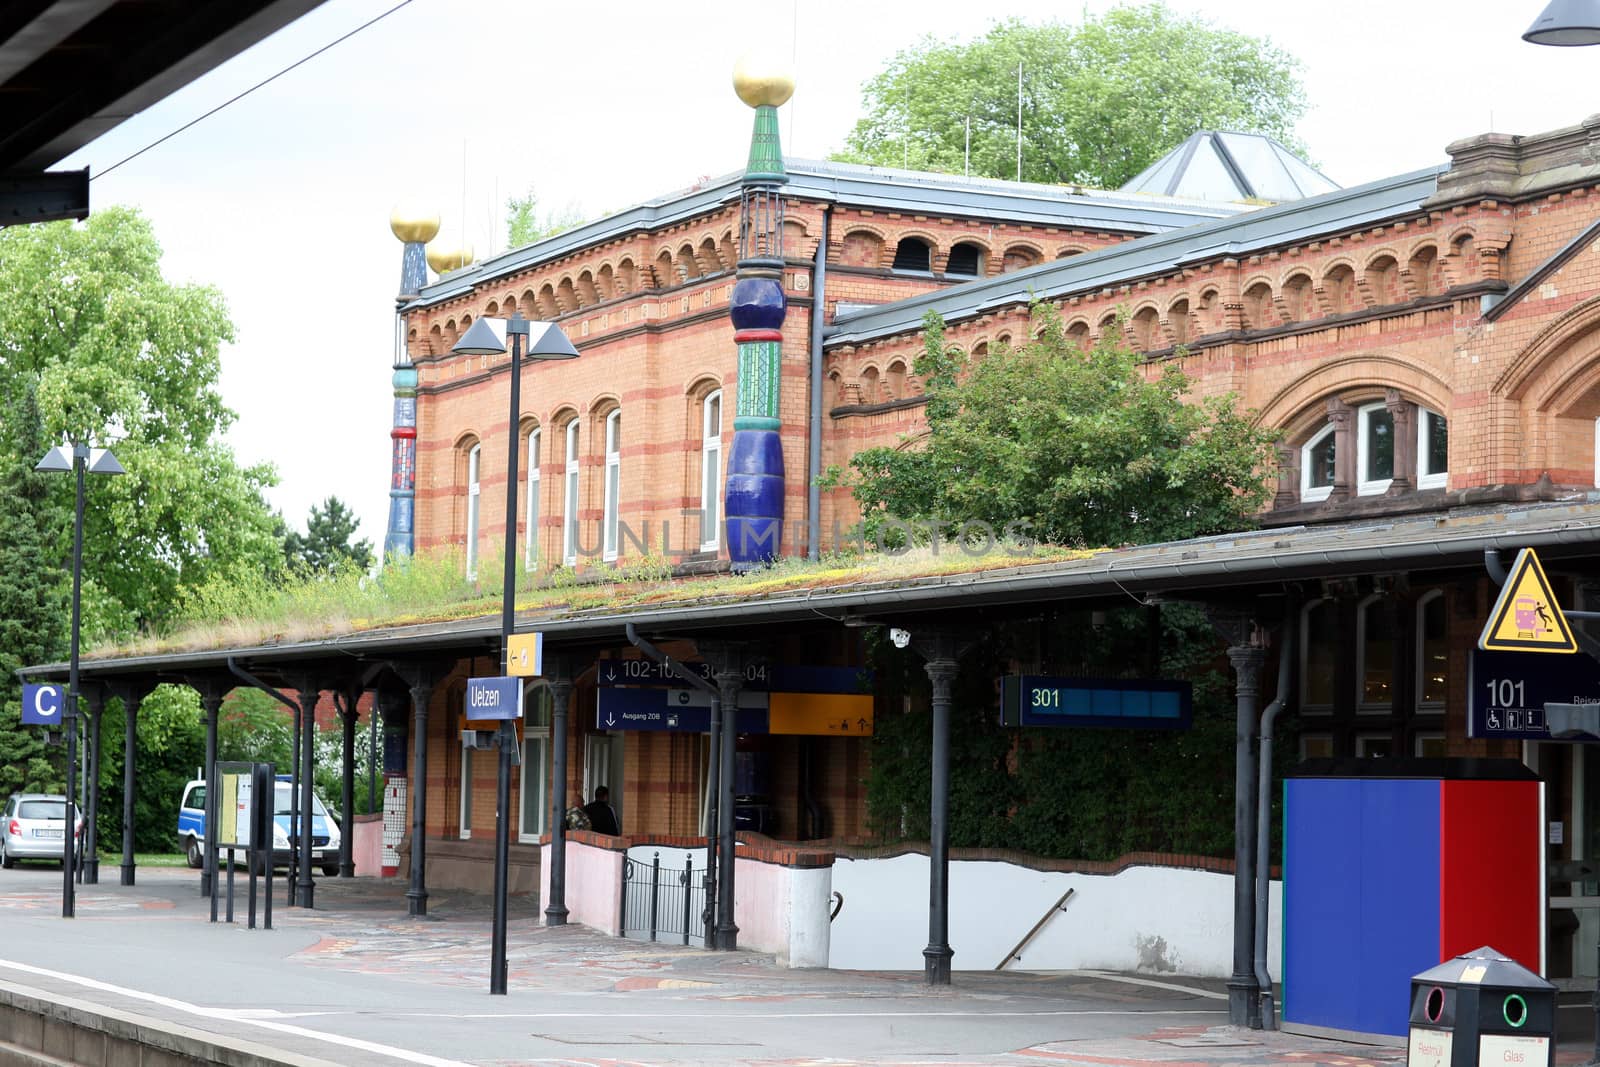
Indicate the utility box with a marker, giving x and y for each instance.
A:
(1481, 1008)
(1391, 867)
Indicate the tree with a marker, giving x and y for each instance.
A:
(327, 548)
(1067, 447)
(1100, 101)
(118, 355)
(524, 225)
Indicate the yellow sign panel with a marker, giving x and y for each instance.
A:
(228, 810)
(835, 714)
(525, 655)
(1527, 618)
(489, 724)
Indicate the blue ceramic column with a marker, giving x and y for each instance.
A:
(415, 229)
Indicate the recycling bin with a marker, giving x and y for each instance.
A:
(1481, 1008)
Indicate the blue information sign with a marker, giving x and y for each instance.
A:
(494, 698)
(758, 677)
(680, 710)
(1138, 703)
(1507, 692)
(42, 705)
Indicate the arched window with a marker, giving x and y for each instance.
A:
(1319, 648)
(1316, 465)
(1433, 449)
(1374, 449)
(913, 253)
(965, 258)
(474, 459)
(711, 471)
(1375, 639)
(1433, 652)
(569, 522)
(535, 455)
(613, 484)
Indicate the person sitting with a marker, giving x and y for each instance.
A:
(602, 816)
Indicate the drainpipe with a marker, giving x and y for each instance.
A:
(714, 784)
(1269, 1016)
(819, 308)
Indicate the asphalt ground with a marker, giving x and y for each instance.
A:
(355, 981)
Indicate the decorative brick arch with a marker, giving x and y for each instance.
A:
(867, 247)
(1554, 356)
(936, 251)
(1363, 371)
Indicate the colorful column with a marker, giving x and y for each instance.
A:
(753, 495)
(415, 229)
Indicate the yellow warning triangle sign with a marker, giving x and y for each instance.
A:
(1527, 618)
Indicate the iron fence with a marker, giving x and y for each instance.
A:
(664, 903)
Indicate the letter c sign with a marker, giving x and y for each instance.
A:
(42, 704)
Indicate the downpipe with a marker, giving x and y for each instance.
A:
(1286, 647)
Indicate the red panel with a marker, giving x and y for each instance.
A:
(1490, 891)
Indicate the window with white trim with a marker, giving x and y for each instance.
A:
(474, 460)
(613, 494)
(534, 775)
(711, 471)
(530, 552)
(569, 521)
(1316, 465)
(465, 822)
(1374, 449)
(1433, 449)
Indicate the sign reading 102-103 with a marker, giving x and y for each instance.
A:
(494, 698)
(1129, 703)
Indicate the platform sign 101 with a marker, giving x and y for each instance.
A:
(1507, 693)
(1128, 703)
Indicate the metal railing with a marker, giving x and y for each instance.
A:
(661, 904)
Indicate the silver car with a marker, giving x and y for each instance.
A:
(33, 828)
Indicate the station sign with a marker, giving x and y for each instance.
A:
(1507, 693)
(847, 714)
(1121, 703)
(42, 704)
(493, 698)
(759, 677)
(676, 710)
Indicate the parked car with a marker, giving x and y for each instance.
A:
(324, 829)
(34, 826)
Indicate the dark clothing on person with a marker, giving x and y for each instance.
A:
(602, 818)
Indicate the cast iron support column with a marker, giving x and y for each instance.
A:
(713, 820)
(555, 912)
(91, 773)
(131, 699)
(417, 893)
(941, 667)
(730, 680)
(1244, 993)
(294, 808)
(210, 702)
(305, 828)
(347, 797)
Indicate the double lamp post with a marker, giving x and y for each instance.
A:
(544, 340)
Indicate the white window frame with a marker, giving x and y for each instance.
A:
(1421, 634)
(711, 473)
(569, 518)
(534, 771)
(611, 502)
(603, 761)
(1364, 485)
(530, 553)
(1308, 492)
(465, 821)
(1418, 740)
(474, 471)
(1306, 707)
(1429, 481)
(1362, 706)
(1364, 740)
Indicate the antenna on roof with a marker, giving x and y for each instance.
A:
(967, 166)
(1019, 121)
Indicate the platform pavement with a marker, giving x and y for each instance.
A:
(356, 981)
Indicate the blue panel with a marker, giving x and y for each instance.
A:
(654, 709)
(1146, 703)
(756, 304)
(1361, 899)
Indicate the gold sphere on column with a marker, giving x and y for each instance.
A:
(763, 80)
(412, 222)
(443, 260)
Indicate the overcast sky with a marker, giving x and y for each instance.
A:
(282, 199)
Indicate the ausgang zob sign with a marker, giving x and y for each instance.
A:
(494, 698)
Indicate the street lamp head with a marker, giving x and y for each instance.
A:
(485, 337)
(103, 462)
(546, 341)
(57, 459)
(1566, 23)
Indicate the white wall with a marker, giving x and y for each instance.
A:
(1156, 920)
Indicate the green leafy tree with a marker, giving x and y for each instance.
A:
(119, 355)
(524, 224)
(33, 597)
(1100, 101)
(327, 547)
(1067, 447)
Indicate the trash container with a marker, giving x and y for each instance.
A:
(1481, 1008)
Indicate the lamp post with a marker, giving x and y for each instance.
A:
(544, 340)
(78, 460)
